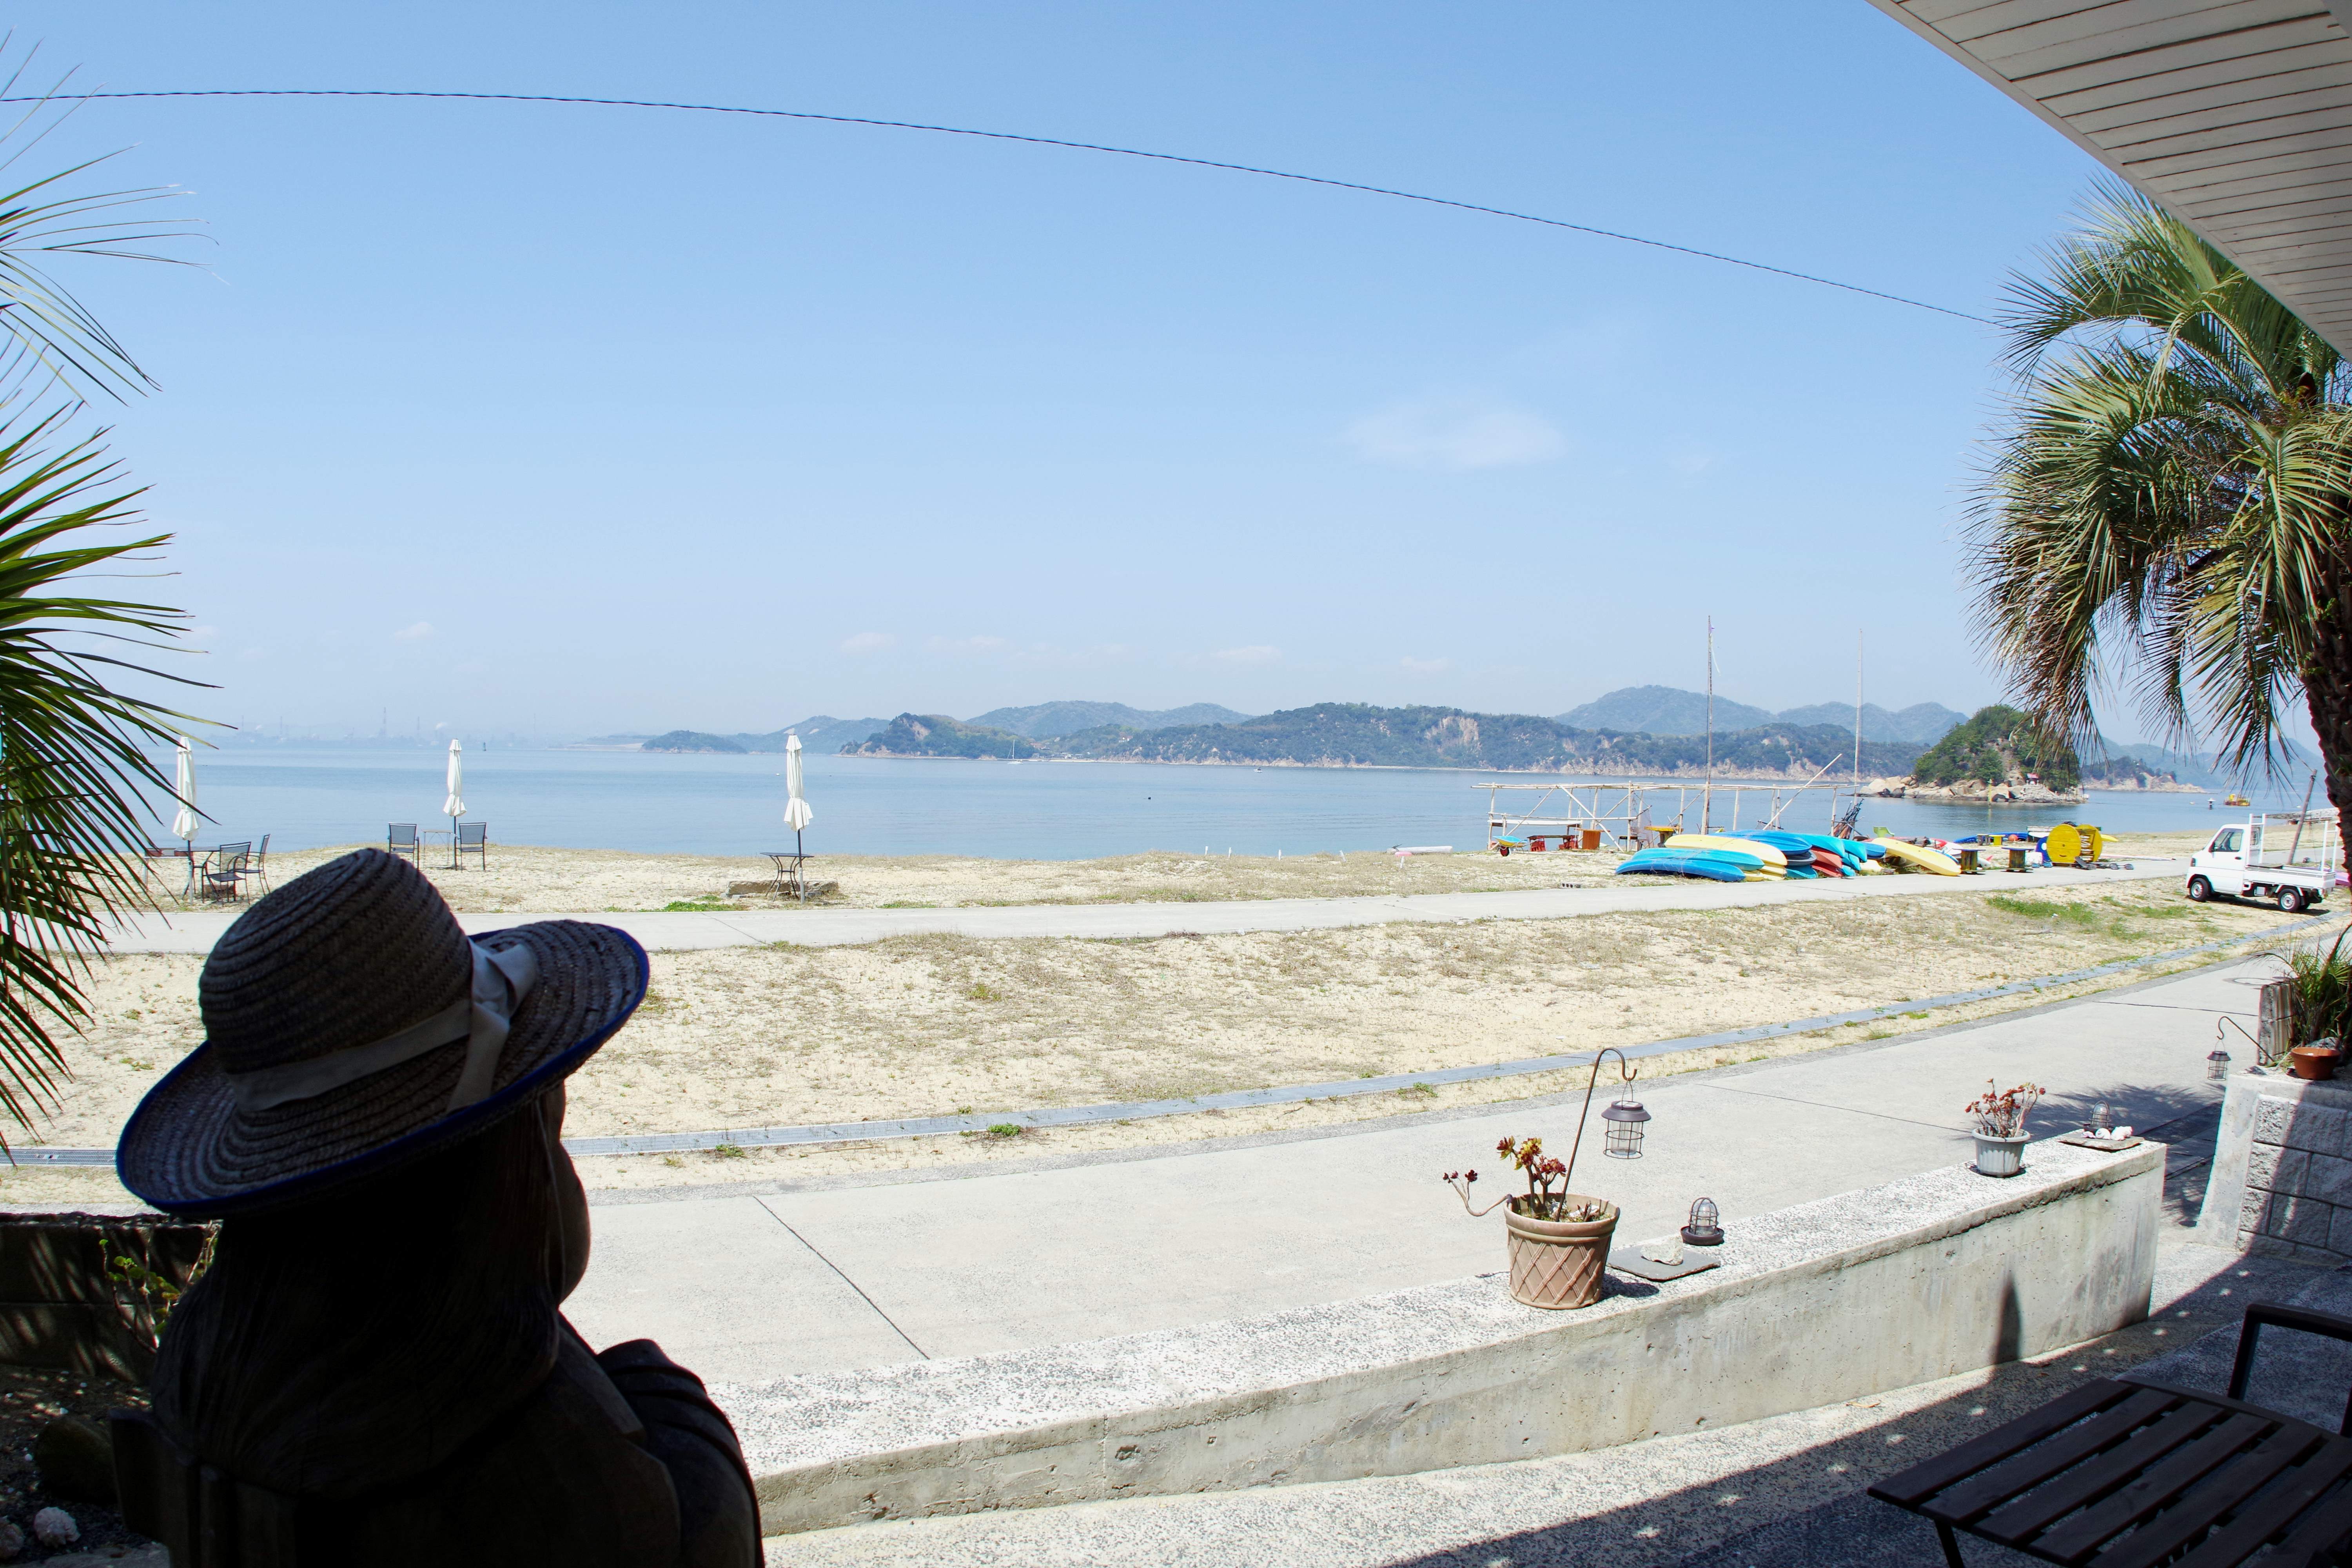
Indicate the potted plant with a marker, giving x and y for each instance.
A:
(1559, 1239)
(2001, 1132)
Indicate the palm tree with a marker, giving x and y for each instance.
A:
(76, 753)
(2167, 508)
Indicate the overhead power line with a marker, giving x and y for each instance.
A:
(1034, 141)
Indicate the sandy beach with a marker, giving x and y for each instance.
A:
(587, 881)
(940, 1024)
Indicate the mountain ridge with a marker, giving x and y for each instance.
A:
(1671, 710)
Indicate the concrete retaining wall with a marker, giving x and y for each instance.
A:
(1891, 1286)
(2282, 1180)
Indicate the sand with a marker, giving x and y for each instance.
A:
(576, 882)
(532, 879)
(938, 1025)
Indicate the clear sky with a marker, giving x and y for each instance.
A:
(568, 419)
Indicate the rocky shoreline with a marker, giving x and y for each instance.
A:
(1974, 792)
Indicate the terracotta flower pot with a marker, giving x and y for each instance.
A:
(1557, 1263)
(2314, 1061)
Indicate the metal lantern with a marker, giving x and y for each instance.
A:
(1705, 1229)
(2102, 1118)
(1623, 1139)
(2216, 1064)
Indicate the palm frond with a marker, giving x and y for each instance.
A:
(77, 756)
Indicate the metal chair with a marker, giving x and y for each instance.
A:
(258, 869)
(473, 839)
(400, 838)
(223, 870)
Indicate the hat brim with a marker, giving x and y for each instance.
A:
(189, 1151)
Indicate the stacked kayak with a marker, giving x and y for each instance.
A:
(1712, 865)
(1803, 859)
(1771, 862)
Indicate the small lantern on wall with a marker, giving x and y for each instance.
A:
(1705, 1229)
(1623, 1139)
(2216, 1064)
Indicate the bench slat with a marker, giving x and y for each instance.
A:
(1906, 1489)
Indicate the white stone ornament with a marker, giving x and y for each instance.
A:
(55, 1526)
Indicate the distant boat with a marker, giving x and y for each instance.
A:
(2233, 799)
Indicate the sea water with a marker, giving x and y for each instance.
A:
(725, 804)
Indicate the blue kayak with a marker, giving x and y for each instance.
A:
(1714, 865)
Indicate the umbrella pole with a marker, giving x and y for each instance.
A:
(800, 864)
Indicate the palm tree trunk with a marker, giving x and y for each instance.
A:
(2327, 688)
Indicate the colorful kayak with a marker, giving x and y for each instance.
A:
(1766, 855)
(1912, 857)
(1830, 863)
(1714, 865)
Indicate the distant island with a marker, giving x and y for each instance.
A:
(1653, 730)
(1355, 734)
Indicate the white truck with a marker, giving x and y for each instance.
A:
(2284, 858)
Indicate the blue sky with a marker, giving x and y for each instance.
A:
(573, 420)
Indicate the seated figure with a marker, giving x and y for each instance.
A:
(375, 1370)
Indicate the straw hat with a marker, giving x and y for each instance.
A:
(350, 1027)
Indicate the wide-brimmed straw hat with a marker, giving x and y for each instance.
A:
(350, 1027)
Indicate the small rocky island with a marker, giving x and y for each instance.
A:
(2001, 757)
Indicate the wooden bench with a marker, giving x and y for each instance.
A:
(2131, 1475)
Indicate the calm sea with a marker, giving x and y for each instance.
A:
(1037, 810)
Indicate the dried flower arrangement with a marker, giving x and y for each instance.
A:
(1543, 1173)
(2001, 1112)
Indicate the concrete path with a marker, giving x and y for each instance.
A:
(196, 930)
(765, 1281)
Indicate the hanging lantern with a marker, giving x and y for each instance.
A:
(1705, 1228)
(1623, 1141)
(2216, 1064)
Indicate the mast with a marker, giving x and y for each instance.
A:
(1857, 710)
(1707, 796)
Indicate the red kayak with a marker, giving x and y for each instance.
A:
(1830, 863)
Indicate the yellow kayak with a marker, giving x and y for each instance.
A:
(1775, 863)
(1912, 857)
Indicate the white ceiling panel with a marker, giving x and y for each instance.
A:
(2234, 114)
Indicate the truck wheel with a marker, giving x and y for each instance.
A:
(2199, 890)
(2289, 901)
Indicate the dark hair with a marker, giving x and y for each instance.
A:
(357, 1339)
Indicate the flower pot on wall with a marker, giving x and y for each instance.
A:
(2001, 1156)
(1557, 1263)
(2315, 1061)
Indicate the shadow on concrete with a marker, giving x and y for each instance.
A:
(1807, 1509)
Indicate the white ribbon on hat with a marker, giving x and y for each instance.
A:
(502, 978)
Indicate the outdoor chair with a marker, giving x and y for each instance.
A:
(256, 869)
(2126, 1474)
(400, 838)
(223, 871)
(473, 839)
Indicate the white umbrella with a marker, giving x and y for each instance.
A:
(455, 806)
(797, 814)
(184, 785)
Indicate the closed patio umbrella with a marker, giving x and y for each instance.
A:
(797, 814)
(184, 785)
(454, 806)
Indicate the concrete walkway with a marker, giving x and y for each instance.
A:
(196, 930)
(768, 1280)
